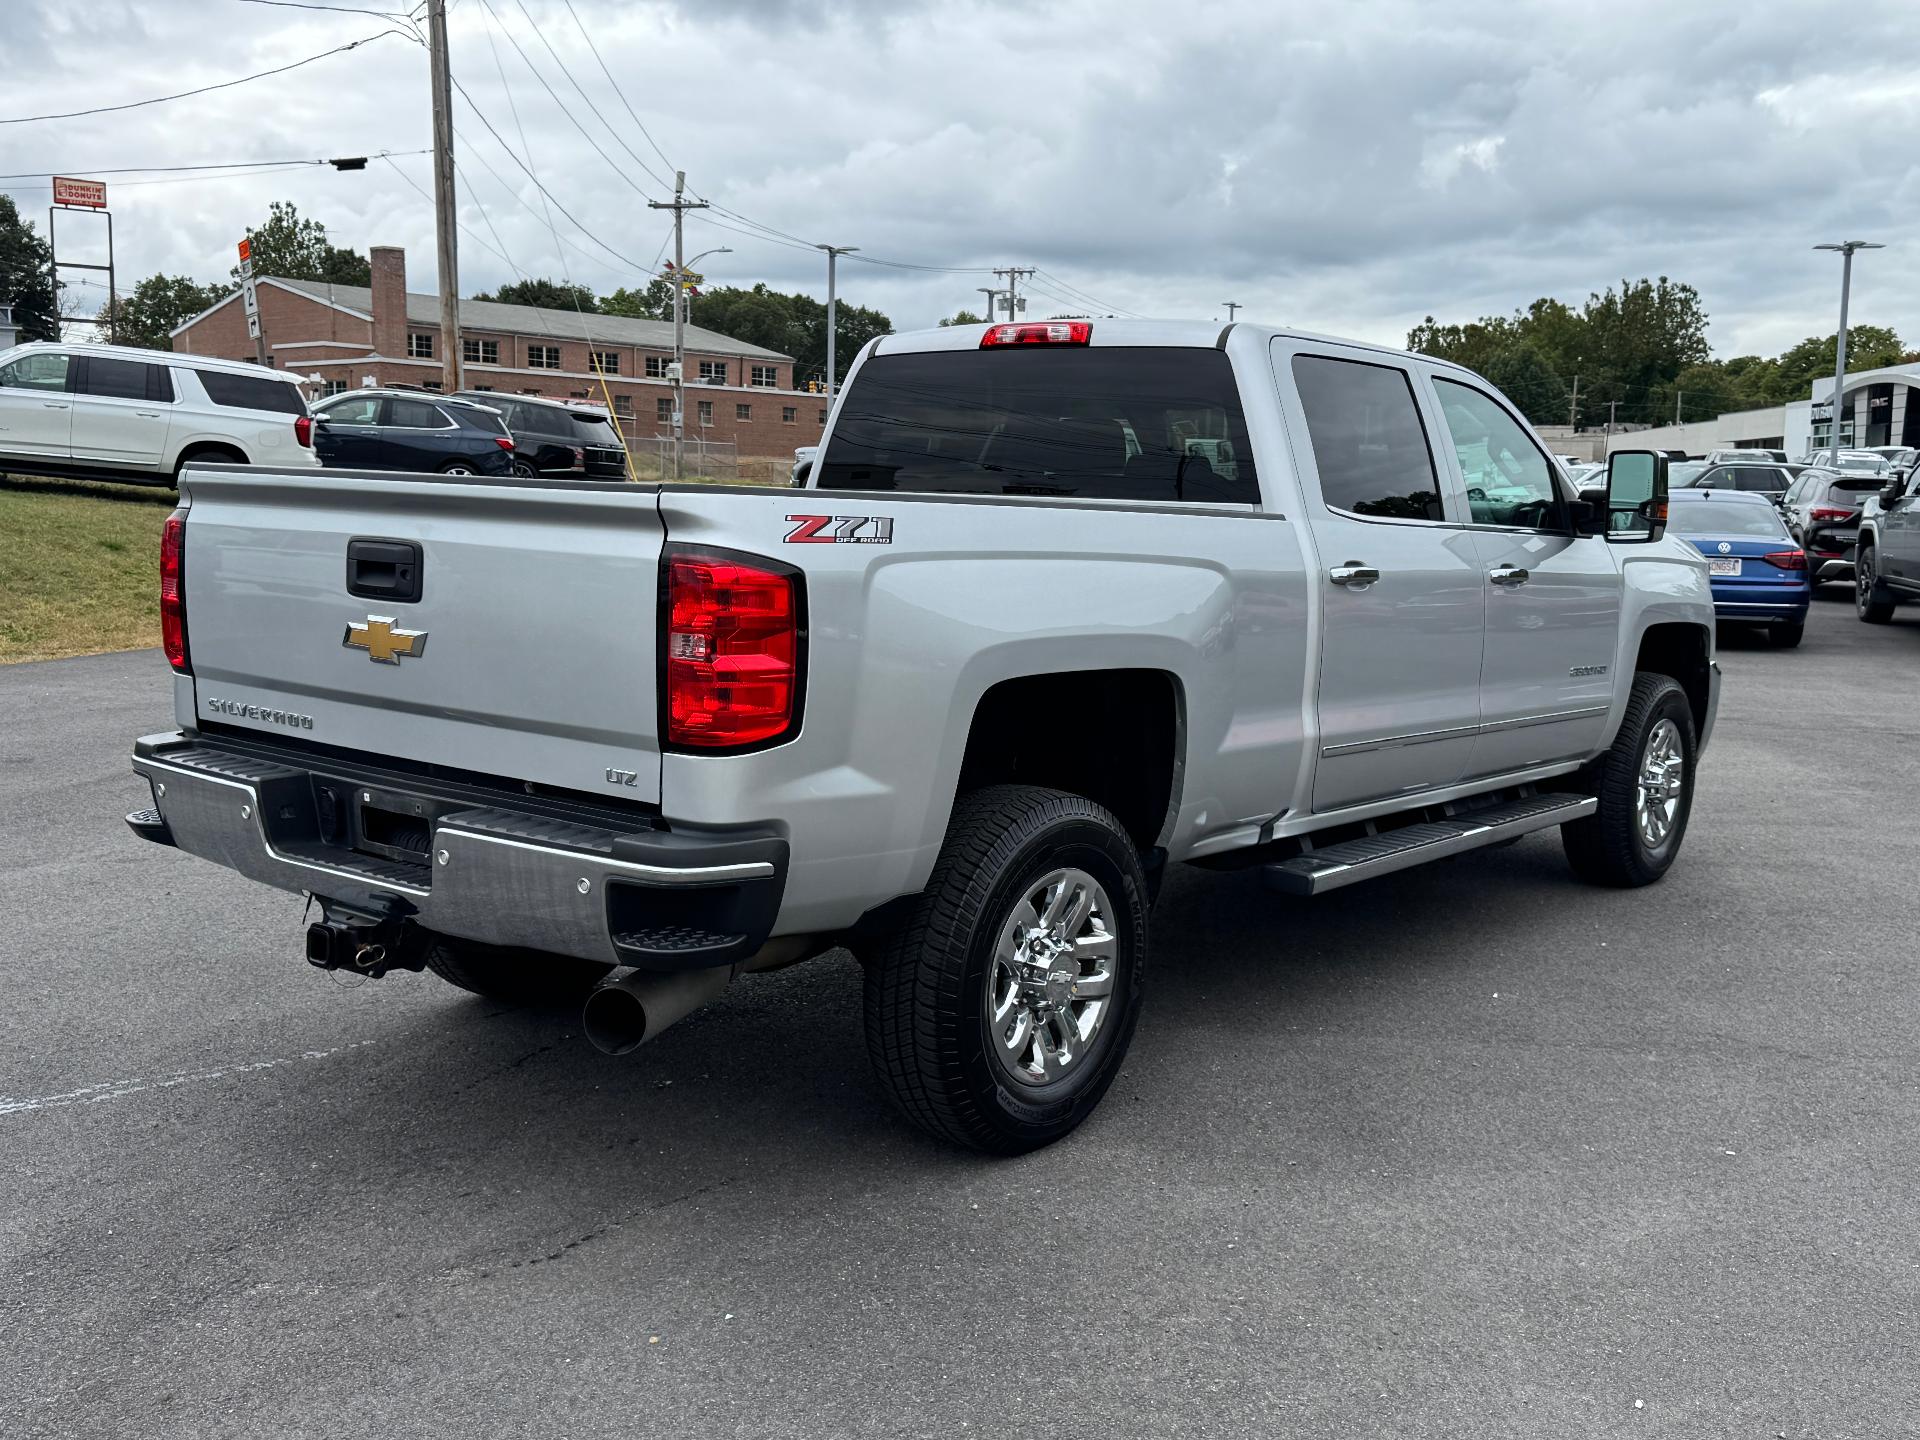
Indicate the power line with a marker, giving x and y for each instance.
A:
(617, 90)
(207, 89)
(335, 9)
(540, 35)
(255, 165)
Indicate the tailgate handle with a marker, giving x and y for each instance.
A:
(384, 570)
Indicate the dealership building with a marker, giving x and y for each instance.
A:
(351, 335)
(1877, 407)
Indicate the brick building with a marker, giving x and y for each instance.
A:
(345, 333)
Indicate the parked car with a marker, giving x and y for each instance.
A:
(557, 439)
(1899, 458)
(111, 412)
(956, 703)
(1886, 568)
(1735, 455)
(411, 430)
(803, 458)
(1769, 480)
(1822, 510)
(1862, 462)
(1758, 573)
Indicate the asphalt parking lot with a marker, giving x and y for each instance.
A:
(1470, 1151)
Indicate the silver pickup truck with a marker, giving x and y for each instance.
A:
(1059, 603)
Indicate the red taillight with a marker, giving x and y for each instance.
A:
(303, 430)
(505, 442)
(1787, 559)
(1038, 332)
(1826, 512)
(732, 651)
(173, 590)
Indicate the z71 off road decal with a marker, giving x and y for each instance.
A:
(840, 530)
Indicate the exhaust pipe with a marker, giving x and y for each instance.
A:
(622, 1015)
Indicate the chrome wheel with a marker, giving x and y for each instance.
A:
(1663, 777)
(1051, 983)
(456, 470)
(1862, 580)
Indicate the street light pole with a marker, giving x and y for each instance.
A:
(1846, 249)
(834, 252)
(1232, 305)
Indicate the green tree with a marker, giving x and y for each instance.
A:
(795, 325)
(965, 317)
(1868, 348)
(548, 294)
(26, 276)
(653, 302)
(1523, 375)
(297, 249)
(158, 303)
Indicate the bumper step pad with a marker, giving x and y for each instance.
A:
(1351, 861)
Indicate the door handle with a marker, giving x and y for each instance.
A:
(148, 414)
(53, 404)
(1508, 575)
(1353, 573)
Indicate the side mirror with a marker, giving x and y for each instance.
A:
(323, 419)
(1892, 491)
(1636, 496)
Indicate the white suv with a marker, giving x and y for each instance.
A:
(108, 412)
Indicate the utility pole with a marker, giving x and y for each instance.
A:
(834, 252)
(1013, 274)
(992, 296)
(679, 206)
(1612, 405)
(445, 213)
(1676, 405)
(1846, 249)
(1232, 305)
(1573, 410)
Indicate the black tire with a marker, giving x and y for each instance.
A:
(1872, 601)
(1785, 634)
(928, 983)
(522, 469)
(519, 977)
(1607, 848)
(458, 467)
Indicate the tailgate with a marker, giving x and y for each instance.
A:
(528, 655)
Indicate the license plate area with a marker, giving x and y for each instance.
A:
(1723, 567)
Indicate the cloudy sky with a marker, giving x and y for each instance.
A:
(1346, 167)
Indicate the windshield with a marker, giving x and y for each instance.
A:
(1150, 424)
(1870, 464)
(1685, 473)
(1700, 517)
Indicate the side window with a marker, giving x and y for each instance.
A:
(251, 392)
(1509, 481)
(360, 410)
(36, 372)
(1368, 442)
(1753, 477)
(116, 379)
(414, 415)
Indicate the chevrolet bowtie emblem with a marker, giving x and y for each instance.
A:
(383, 641)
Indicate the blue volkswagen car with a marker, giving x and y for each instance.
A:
(1758, 570)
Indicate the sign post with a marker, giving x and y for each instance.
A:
(71, 195)
(250, 298)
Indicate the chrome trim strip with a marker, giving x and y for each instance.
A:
(1551, 717)
(666, 874)
(367, 881)
(1394, 742)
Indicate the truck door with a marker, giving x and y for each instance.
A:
(1899, 529)
(1553, 597)
(1403, 598)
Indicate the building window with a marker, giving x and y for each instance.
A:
(532, 392)
(656, 367)
(663, 410)
(789, 414)
(767, 375)
(706, 412)
(623, 405)
(714, 372)
(419, 345)
(604, 362)
(486, 388)
(743, 412)
(332, 387)
(480, 352)
(543, 357)
(823, 417)
(432, 385)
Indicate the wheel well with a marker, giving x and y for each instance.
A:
(225, 454)
(1682, 651)
(1110, 735)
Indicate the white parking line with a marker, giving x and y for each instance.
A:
(117, 1089)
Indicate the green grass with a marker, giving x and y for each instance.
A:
(79, 567)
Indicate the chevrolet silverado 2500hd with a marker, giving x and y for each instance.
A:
(1059, 603)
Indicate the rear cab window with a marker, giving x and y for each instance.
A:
(251, 392)
(1151, 424)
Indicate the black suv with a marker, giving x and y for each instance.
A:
(410, 430)
(551, 437)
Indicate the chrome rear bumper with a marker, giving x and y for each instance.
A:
(646, 897)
